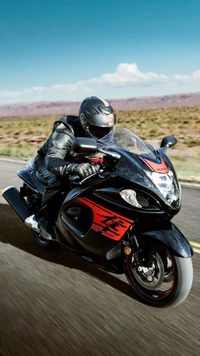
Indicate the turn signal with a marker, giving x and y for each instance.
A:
(130, 197)
(127, 250)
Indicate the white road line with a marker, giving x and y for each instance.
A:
(12, 160)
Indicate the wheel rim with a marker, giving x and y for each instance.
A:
(40, 240)
(158, 288)
(150, 278)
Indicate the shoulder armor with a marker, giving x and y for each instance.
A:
(66, 121)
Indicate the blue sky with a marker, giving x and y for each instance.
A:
(66, 50)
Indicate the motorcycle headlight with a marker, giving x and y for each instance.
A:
(129, 196)
(166, 184)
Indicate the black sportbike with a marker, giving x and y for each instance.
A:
(120, 218)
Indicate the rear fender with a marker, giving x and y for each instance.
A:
(172, 238)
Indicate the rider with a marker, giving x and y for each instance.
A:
(54, 161)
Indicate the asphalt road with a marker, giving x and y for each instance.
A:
(54, 303)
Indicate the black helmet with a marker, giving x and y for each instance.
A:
(96, 117)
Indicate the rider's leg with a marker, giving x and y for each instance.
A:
(51, 201)
(49, 209)
(47, 214)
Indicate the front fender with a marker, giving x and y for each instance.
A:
(173, 238)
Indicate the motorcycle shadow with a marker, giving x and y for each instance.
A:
(14, 232)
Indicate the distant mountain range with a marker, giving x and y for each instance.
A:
(71, 107)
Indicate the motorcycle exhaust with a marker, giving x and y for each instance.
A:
(14, 199)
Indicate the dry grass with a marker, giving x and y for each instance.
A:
(21, 137)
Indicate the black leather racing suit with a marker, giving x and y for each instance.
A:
(52, 161)
(54, 156)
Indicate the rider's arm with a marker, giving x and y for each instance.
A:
(59, 148)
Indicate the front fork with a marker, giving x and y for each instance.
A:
(134, 254)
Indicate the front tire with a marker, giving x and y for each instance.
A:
(160, 291)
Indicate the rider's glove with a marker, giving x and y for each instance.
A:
(83, 170)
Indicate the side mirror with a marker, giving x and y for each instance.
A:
(84, 145)
(168, 141)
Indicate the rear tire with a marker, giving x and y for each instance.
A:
(181, 283)
(49, 244)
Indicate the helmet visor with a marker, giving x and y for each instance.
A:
(99, 132)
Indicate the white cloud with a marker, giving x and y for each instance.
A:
(126, 75)
(196, 74)
(9, 94)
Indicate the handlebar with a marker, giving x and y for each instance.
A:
(77, 180)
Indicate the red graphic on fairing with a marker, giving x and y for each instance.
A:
(156, 167)
(106, 222)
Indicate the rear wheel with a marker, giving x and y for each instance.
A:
(51, 244)
(166, 283)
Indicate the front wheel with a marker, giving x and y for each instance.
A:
(166, 283)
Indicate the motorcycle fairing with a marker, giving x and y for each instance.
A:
(80, 228)
(138, 157)
(106, 222)
(160, 167)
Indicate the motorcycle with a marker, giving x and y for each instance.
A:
(120, 217)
